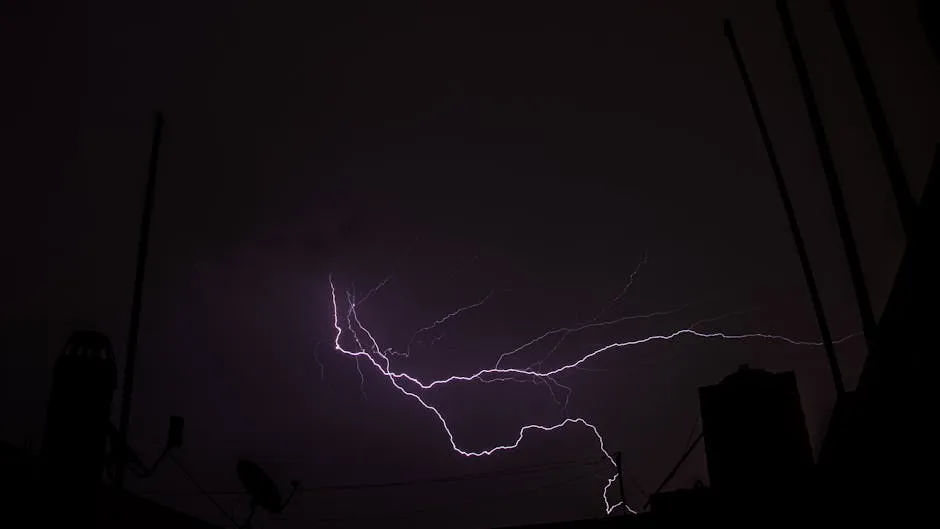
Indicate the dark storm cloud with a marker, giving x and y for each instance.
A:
(536, 152)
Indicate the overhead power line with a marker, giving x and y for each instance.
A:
(202, 491)
(517, 471)
(484, 499)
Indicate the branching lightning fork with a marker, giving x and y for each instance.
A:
(414, 388)
(443, 320)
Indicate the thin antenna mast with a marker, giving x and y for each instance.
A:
(791, 215)
(869, 327)
(907, 207)
(131, 352)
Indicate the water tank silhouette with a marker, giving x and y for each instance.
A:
(77, 422)
(756, 442)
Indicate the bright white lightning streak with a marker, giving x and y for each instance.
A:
(393, 378)
(548, 381)
(589, 323)
(565, 331)
(658, 337)
(509, 374)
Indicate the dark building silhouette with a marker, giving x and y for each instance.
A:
(693, 506)
(77, 423)
(65, 486)
(756, 442)
(23, 501)
(881, 435)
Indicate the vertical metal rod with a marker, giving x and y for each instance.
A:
(869, 327)
(791, 215)
(879, 122)
(131, 352)
(623, 497)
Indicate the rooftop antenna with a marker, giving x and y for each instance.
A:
(907, 207)
(867, 315)
(262, 489)
(791, 215)
(142, 244)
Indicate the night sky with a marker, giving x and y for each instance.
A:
(537, 153)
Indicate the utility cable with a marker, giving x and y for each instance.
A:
(517, 471)
(202, 490)
(485, 499)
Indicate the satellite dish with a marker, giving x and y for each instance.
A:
(262, 489)
(259, 486)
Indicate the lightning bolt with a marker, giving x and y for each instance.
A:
(375, 353)
(374, 289)
(444, 320)
(567, 331)
(626, 287)
(316, 349)
(414, 388)
(349, 318)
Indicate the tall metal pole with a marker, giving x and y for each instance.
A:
(869, 327)
(131, 352)
(889, 152)
(791, 215)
